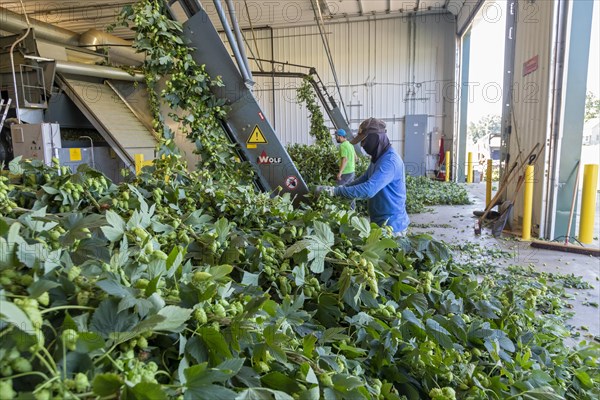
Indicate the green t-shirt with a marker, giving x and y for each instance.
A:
(347, 151)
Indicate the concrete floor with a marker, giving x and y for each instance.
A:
(455, 224)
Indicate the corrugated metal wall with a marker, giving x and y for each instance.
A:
(386, 69)
(531, 96)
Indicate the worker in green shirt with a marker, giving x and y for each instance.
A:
(347, 154)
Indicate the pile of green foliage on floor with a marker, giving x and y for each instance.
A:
(177, 285)
(318, 165)
(422, 192)
(186, 287)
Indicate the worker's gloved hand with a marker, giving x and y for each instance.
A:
(324, 190)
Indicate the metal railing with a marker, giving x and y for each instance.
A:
(33, 86)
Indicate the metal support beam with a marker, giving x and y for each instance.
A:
(464, 104)
(360, 8)
(469, 21)
(508, 80)
(577, 40)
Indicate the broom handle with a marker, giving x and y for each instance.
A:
(532, 159)
(573, 202)
(510, 176)
(507, 179)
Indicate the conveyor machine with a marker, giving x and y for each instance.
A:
(245, 124)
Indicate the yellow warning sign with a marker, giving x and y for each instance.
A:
(256, 137)
(75, 154)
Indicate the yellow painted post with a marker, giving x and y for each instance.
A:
(588, 203)
(470, 168)
(447, 166)
(139, 163)
(527, 203)
(488, 183)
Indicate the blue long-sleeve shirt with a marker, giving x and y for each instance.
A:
(385, 187)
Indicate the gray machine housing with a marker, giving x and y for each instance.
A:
(43, 142)
(36, 141)
(100, 158)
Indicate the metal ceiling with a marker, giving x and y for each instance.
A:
(80, 16)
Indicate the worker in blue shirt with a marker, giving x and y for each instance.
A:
(383, 184)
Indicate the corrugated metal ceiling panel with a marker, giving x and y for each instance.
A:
(80, 16)
(375, 6)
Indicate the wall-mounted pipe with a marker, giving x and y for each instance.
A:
(232, 42)
(557, 65)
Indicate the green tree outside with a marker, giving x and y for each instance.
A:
(592, 106)
(489, 124)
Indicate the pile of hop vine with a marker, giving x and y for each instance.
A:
(6, 204)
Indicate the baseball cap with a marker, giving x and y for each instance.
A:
(371, 125)
(340, 132)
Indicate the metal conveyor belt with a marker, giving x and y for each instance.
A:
(110, 115)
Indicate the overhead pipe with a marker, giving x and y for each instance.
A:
(271, 36)
(238, 36)
(120, 52)
(97, 71)
(233, 43)
(16, 23)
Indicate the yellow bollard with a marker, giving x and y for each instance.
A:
(139, 163)
(447, 166)
(527, 203)
(470, 168)
(588, 203)
(488, 183)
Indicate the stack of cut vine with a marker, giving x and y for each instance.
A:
(180, 285)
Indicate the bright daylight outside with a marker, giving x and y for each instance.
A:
(485, 90)
(485, 86)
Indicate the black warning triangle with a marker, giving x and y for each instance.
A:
(256, 137)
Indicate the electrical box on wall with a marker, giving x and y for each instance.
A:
(416, 145)
(36, 141)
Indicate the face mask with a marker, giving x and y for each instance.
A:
(370, 144)
(375, 144)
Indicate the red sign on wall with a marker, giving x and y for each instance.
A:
(530, 65)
